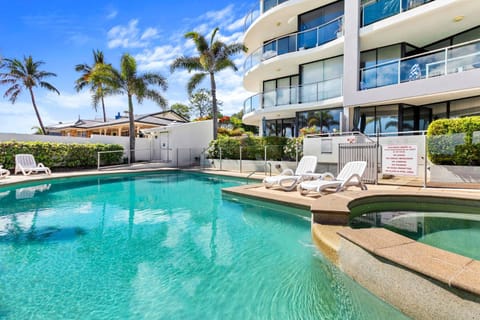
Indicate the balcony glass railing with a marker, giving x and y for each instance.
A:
(454, 59)
(269, 4)
(295, 42)
(312, 92)
(382, 9)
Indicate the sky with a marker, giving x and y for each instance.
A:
(63, 33)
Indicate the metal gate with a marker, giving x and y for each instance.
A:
(360, 152)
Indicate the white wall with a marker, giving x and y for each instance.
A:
(181, 144)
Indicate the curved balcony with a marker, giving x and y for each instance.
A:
(303, 40)
(306, 93)
(441, 62)
(264, 7)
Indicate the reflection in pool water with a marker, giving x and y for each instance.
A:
(165, 246)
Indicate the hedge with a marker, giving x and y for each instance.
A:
(60, 155)
(454, 141)
(253, 148)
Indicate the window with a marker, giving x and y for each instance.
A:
(322, 121)
(321, 80)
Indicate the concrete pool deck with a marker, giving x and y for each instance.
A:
(373, 257)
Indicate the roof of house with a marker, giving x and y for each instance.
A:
(157, 119)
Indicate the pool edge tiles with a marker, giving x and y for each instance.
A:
(423, 277)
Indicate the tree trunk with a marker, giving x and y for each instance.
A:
(131, 129)
(214, 105)
(36, 111)
(104, 113)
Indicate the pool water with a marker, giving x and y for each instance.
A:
(455, 232)
(164, 246)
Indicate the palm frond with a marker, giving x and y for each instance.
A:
(188, 63)
(157, 98)
(199, 40)
(155, 79)
(224, 64)
(195, 81)
(48, 86)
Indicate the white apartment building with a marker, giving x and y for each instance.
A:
(374, 66)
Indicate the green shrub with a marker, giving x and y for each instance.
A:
(253, 148)
(454, 142)
(60, 155)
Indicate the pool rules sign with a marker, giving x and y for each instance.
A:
(400, 160)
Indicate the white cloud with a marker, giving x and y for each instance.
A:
(130, 36)
(150, 33)
(159, 58)
(112, 14)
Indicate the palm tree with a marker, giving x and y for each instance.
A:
(98, 88)
(128, 81)
(212, 57)
(25, 75)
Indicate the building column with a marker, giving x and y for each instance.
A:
(351, 56)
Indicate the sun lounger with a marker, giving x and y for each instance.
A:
(288, 179)
(4, 172)
(350, 175)
(26, 164)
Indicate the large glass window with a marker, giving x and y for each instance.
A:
(280, 91)
(321, 80)
(320, 16)
(379, 67)
(382, 119)
(280, 127)
(322, 121)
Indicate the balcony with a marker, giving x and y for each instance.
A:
(303, 40)
(382, 9)
(449, 60)
(307, 93)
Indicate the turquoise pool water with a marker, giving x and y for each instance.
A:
(456, 232)
(164, 246)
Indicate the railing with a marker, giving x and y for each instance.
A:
(270, 4)
(303, 40)
(250, 18)
(449, 60)
(306, 93)
(382, 9)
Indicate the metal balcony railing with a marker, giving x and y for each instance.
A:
(312, 92)
(441, 62)
(374, 11)
(303, 40)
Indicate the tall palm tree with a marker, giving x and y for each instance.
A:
(128, 81)
(98, 88)
(23, 75)
(213, 57)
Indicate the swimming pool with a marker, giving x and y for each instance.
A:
(164, 245)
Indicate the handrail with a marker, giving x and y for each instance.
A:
(419, 66)
(250, 175)
(295, 95)
(418, 55)
(260, 50)
(339, 134)
(409, 6)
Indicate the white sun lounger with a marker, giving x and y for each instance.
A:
(350, 175)
(26, 164)
(4, 172)
(288, 179)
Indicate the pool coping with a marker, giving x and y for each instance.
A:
(452, 269)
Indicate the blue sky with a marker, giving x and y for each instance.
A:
(63, 33)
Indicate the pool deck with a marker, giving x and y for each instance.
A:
(328, 223)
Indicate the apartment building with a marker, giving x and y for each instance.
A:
(381, 66)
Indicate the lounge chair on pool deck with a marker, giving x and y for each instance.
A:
(26, 164)
(288, 180)
(4, 172)
(350, 175)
